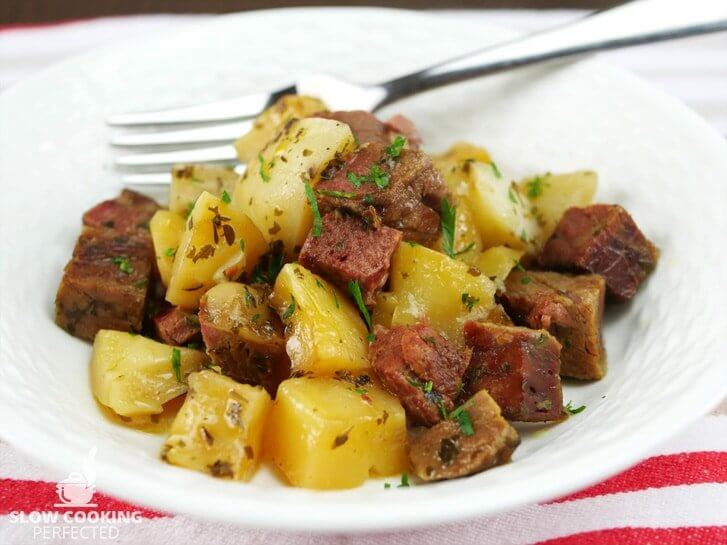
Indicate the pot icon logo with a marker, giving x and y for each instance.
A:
(77, 489)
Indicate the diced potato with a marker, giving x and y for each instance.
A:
(497, 262)
(166, 229)
(324, 331)
(272, 190)
(190, 181)
(459, 153)
(328, 433)
(384, 309)
(500, 209)
(218, 245)
(446, 292)
(271, 121)
(135, 376)
(552, 194)
(219, 429)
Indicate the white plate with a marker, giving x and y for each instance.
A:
(666, 349)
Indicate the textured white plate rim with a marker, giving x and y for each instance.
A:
(409, 510)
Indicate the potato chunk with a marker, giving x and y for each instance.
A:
(135, 376)
(329, 433)
(272, 190)
(166, 229)
(219, 429)
(218, 245)
(271, 121)
(445, 292)
(500, 209)
(324, 332)
(190, 181)
(497, 262)
(550, 195)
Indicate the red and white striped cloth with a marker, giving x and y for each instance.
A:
(677, 496)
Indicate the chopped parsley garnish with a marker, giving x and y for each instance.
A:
(170, 252)
(394, 150)
(337, 194)
(335, 297)
(496, 170)
(317, 221)
(465, 249)
(226, 197)
(535, 187)
(255, 318)
(264, 175)
(511, 195)
(519, 266)
(428, 385)
(242, 244)
(404, 481)
(370, 337)
(290, 310)
(190, 207)
(469, 301)
(177, 363)
(571, 410)
(449, 216)
(376, 176)
(461, 415)
(356, 181)
(124, 264)
(387, 485)
(525, 280)
(266, 271)
(355, 289)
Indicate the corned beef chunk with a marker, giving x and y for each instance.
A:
(105, 284)
(518, 367)
(128, 212)
(602, 239)
(368, 129)
(349, 249)
(570, 308)
(177, 327)
(449, 450)
(421, 368)
(402, 192)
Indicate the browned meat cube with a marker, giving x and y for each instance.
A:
(404, 193)
(368, 129)
(454, 449)
(105, 284)
(602, 239)
(570, 308)
(349, 249)
(518, 367)
(177, 327)
(126, 213)
(421, 368)
(244, 337)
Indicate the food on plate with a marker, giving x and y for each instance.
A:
(133, 375)
(335, 432)
(570, 308)
(190, 181)
(349, 307)
(219, 428)
(518, 367)
(349, 250)
(421, 368)
(602, 239)
(473, 438)
(244, 335)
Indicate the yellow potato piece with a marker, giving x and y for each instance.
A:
(135, 376)
(384, 309)
(324, 332)
(551, 195)
(329, 433)
(166, 229)
(219, 429)
(272, 190)
(218, 245)
(190, 181)
(429, 285)
(497, 262)
(271, 121)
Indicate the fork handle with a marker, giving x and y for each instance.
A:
(633, 23)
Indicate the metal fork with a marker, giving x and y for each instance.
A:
(633, 23)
